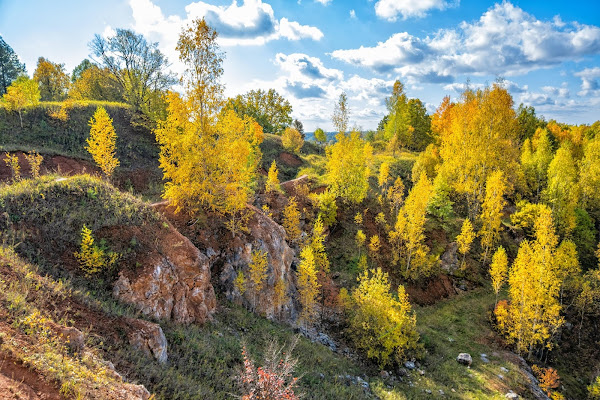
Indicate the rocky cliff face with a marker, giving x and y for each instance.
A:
(172, 281)
(229, 255)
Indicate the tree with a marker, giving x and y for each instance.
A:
(499, 270)
(35, 160)
(428, 162)
(94, 83)
(491, 211)
(10, 66)
(465, 238)
(80, 69)
(308, 284)
(562, 193)
(52, 79)
(22, 93)
(258, 272)
(440, 205)
(589, 171)
(101, 143)
(347, 167)
(380, 324)
(271, 110)
(200, 52)
(536, 156)
(272, 184)
(384, 174)
(397, 128)
(297, 125)
(137, 66)
(93, 259)
(215, 168)
(320, 135)
(291, 220)
(292, 140)
(395, 194)
(528, 121)
(408, 235)
(12, 162)
(477, 136)
(533, 315)
(340, 114)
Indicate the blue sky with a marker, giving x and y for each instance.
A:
(310, 51)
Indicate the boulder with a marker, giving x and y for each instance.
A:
(149, 338)
(464, 359)
(449, 260)
(173, 281)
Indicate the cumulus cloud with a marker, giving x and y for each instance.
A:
(391, 9)
(252, 22)
(590, 81)
(324, 2)
(505, 40)
(303, 91)
(303, 68)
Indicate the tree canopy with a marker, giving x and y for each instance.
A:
(10, 66)
(271, 110)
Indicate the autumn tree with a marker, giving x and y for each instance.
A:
(94, 83)
(299, 126)
(34, 159)
(101, 143)
(272, 184)
(536, 155)
(292, 140)
(384, 175)
(395, 194)
(533, 315)
(22, 93)
(427, 161)
(12, 162)
(465, 239)
(200, 52)
(138, 67)
(258, 273)
(347, 166)
(499, 270)
(340, 114)
(492, 211)
(271, 110)
(440, 205)
(320, 135)
(562, 193)
(381, 324)
(291, 220)
(308, 285)
(478, 136)
(10, 66)
(589, 179)
(408, 235)
(52, 79)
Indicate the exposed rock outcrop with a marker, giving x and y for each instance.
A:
(173, 281)
(149, 338)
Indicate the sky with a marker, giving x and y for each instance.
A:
(546, 52)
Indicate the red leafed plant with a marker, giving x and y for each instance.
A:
(274, 380)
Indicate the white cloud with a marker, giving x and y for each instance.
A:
(352, 14)
(590, 81)
(391, 9)
(303, 68)
(324, 2)
(504, 41)
(252, 22)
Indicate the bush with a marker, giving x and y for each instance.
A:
(381, 325)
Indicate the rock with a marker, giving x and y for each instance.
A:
(409, 364)
(384, 375)
(464, 359)
(402, 372)
(173, 282)
(484, 358)
(505, 370)
(512, 395)
(149, 338)
(421, 372)
(441, 392)
(500, 376)
(449, 260)
(428, 391)
(326, 341)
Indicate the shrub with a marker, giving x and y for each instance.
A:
(93, 259)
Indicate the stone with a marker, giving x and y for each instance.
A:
(512, 395)
(421, 372)
(173, 282)
(402, 372)
(449, 259)
(384, 375)
(326, 341)
(464, 359)
(505, 370)
(484, 358)
(409, 364)
(149, 338)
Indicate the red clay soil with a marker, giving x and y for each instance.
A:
(289, 159)
(17, 382)
(430, 292)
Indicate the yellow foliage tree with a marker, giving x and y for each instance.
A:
(499, 270)
(258, 272)
(590, 174)
(291, 220)
(22, 93)
(240, 282)
(395, 194)
(533, 315)
(215, 168)
(478, 136)
(292, 140)
(102, 142)
(272, 184)
(35, 161)
(408, 234)
(465, 238)
(12, 162)
(347, 167)
(562, 193)
(308, 285)
(380, 324)
(384, 174)
(491, 211)
(93, 259)
(52, 79)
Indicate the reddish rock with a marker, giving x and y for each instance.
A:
(149, 338)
